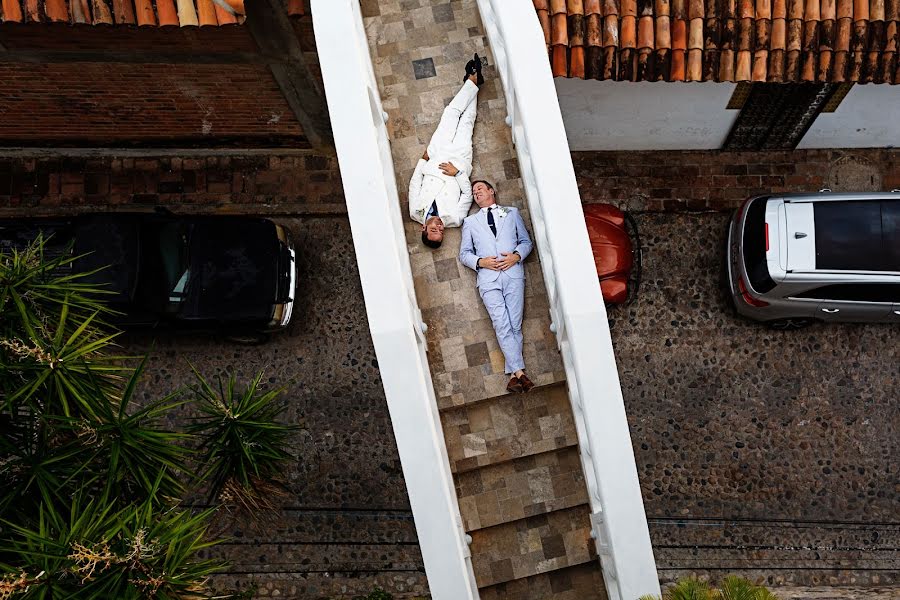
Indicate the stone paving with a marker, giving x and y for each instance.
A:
(419, 49)
(521, 494)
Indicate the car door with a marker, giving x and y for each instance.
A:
(854, 302)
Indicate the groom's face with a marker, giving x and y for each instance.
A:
(434, 229)
(484, 196)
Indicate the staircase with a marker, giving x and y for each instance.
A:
(522, 495)
(532, 473)
(514, 458)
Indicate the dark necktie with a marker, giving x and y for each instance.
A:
(432, 212)
(491, 222)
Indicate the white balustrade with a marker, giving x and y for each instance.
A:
(395, 321)
(576, 304)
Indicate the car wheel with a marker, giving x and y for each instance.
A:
(790, 324)
(248, 339)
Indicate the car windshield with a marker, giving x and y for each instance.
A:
(167, 266)
(754, 241)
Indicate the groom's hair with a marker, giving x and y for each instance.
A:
(430, 243)
(489, 186)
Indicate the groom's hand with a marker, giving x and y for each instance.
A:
(508, 260)
(447, 168)
(489, 262)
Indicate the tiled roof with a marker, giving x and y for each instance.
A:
(124, 12)
(825, 41)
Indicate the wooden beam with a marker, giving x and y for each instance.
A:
(271, 27)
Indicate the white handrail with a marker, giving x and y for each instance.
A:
(619, 524)
(373, 206)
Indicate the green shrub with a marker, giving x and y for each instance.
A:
(243, 445)
(92, 482)
(731, 588)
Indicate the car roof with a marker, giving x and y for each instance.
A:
(857, 232)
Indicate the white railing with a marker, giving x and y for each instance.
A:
(619, 524)
(395, 322)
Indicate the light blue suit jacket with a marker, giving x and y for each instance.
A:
(478, 241)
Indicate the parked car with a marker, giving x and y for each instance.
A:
(225, 274)
(797, 259)
(617, 251)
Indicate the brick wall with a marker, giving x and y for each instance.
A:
(126, 86)
(713, 180)
(292, 183)
(123, 104)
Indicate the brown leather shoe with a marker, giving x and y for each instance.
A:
(514, 387)
(526, 383)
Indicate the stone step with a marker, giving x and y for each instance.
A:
(532, 546)
(524, 487)
(508, 427)
(581, 582)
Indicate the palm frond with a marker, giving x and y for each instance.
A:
(243, 444)
(689, 589)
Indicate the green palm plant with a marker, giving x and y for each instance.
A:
(92, 551)
(243, 445)
(737, 588)
(732, 588)
(65, 373)
(33, 282)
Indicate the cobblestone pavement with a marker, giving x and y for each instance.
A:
(772, 454)
(345, 524)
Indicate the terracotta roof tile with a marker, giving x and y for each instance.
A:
(576, 30)
(663, 33)
(716, 40)
(559, 34)
(779, 9)
(182, 13)
(57, 10)
(610, 32)
(166, 13)
(892, 10)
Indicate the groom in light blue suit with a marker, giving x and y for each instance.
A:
(494, 244)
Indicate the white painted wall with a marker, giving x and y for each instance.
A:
(869, 117)
(644, 115)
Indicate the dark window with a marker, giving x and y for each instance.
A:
(859, 292)
(890, 229)
(754, 241)
(848, 236)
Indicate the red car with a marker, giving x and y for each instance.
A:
(617, 251)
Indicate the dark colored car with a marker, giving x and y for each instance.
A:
(226, 274)
(617, 251)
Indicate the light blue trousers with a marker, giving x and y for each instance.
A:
(504, 300)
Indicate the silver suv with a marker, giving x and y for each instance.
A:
(795, 259)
